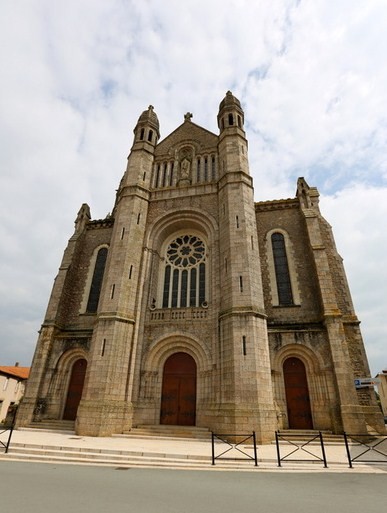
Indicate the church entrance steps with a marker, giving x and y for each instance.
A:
(58, 426)
(168, 432)
(105, 457)
(299, 435)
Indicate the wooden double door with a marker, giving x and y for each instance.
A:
(178, 396)
(297, 394)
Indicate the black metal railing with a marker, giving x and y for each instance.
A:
(300, 444)
(234, 446)
(366, 448)
(7, 428)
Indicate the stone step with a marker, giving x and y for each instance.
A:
(166, 432)
(58, 426)
(305, 435)
(117, 458)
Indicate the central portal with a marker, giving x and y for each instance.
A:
(178, 396)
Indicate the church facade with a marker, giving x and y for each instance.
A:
(193, 305)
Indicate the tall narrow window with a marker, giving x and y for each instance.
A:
(157, 176)
(167, 279)
(96, 283)
(284, 287)
(198, 170)
(165, 174)
(185, 273)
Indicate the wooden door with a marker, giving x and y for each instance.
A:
(297, 395)
(178, 396)
(74, 392)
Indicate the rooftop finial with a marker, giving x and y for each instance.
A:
(188, 116)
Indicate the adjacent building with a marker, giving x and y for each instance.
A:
(191, 304)
(382, 390)
(12, 383)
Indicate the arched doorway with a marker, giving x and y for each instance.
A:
(297, 394)
(178, 396)
(74, 391)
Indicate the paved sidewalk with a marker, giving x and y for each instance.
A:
(190, 450)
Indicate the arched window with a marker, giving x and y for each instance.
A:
(185, 273)
(284, 286)
(96, 283)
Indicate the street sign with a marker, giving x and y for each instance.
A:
(366, 382)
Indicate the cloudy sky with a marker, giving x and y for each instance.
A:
(76, 74)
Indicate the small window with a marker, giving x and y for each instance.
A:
(230, 120)
(150, 135)
(142, 134)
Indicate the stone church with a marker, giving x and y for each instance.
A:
(192, 305)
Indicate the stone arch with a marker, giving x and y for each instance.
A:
(154, 361)
(59, 386)
(178, 219)
(317, 388)
(189, 221)
(161, 349)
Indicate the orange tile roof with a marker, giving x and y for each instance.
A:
(17, 372)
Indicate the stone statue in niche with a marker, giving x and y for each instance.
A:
(185, 172)
(185, 168)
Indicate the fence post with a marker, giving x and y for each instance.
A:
(213, 447)
(347, 449)
(255, 450)
(278, 449)
(323, 449)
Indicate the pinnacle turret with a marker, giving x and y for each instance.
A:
(230, 113)
(147, 129)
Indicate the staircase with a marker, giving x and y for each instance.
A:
(164, 432)
(303, 435)
(57, 426)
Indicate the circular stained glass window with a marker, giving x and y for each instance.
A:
(186, 251)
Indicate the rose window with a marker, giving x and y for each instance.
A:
(185, 251)
(185, 273)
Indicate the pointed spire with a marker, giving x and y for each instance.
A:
(83, 217)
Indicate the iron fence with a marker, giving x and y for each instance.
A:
(236, 446)
(301, 447)
(366, 448)
(7, 428)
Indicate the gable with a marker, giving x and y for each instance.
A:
(187, 133)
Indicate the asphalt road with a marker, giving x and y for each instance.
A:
(43, 488)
